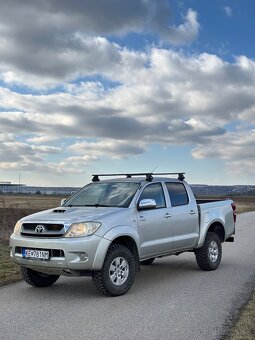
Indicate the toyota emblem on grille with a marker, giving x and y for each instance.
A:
(39, 228)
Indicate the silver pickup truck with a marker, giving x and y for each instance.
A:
(109, 227)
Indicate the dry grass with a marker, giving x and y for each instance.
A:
(14, 207)
(39, 202)
(243, 203)
(9, 271)
(244, 327)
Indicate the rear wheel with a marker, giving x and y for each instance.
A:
(38, 279)
(209, 256)
(118, 272)
(147, 262)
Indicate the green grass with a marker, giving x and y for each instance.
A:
(9, 271)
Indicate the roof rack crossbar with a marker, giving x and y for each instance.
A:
(148, 175)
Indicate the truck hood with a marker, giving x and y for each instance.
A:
(69, 215)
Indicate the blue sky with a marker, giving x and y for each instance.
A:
(131, 85)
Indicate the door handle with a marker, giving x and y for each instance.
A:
(167, 215)
(192, 212)
(142, 218)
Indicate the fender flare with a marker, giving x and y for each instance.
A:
(108, 238)
(202, 239)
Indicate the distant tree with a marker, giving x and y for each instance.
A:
(38, 192)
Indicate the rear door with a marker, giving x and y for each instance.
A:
(155, 225)
(184, 215)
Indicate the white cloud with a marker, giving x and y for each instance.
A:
(44, 44)
(46, 149)
(170, 92)
(132, 99)
(235, 148)
(184, 33)
(115, 149)
(228, 11)
(38, 139)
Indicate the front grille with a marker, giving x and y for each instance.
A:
(53, 252)
(41, 235)
(47, 226)
(42, 229)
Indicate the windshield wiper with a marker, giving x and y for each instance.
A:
(96, 205)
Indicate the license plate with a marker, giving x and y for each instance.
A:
(35, 254)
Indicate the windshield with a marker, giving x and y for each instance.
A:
(111, 194)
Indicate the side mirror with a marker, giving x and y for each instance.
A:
(147, 204)
(62, 201)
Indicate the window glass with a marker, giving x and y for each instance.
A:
(154, 191)
(178, 194)
(115, 194)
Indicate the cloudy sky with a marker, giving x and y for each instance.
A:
(127, 85)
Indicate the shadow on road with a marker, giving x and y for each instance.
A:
(170, 269)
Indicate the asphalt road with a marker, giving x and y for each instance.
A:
(171, 299)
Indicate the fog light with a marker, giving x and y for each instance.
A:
(83, 257)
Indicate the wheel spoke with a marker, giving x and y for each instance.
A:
(117, 261)
(119, 271)
(123, 264)
(113, 276)
(119, 281)
(112, 268)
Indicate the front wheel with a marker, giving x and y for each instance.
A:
(209, 256)
(38, 279)
(118, 272)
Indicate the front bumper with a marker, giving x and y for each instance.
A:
(69, 256)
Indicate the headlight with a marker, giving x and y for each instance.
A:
(17, 228)
(82, 229)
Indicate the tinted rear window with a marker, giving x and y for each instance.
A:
(177, 193)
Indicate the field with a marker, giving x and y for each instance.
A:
(243, 203)
(14, 207)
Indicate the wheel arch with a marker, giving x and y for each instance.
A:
(130, 243)
(124, 235)
(217, 228)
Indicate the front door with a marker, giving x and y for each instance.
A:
(155, 225)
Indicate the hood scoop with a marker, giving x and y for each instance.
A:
(58, 210)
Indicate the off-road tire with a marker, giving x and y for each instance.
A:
(102, 280)
(147, 262)
(38, 279)
(204, 255)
